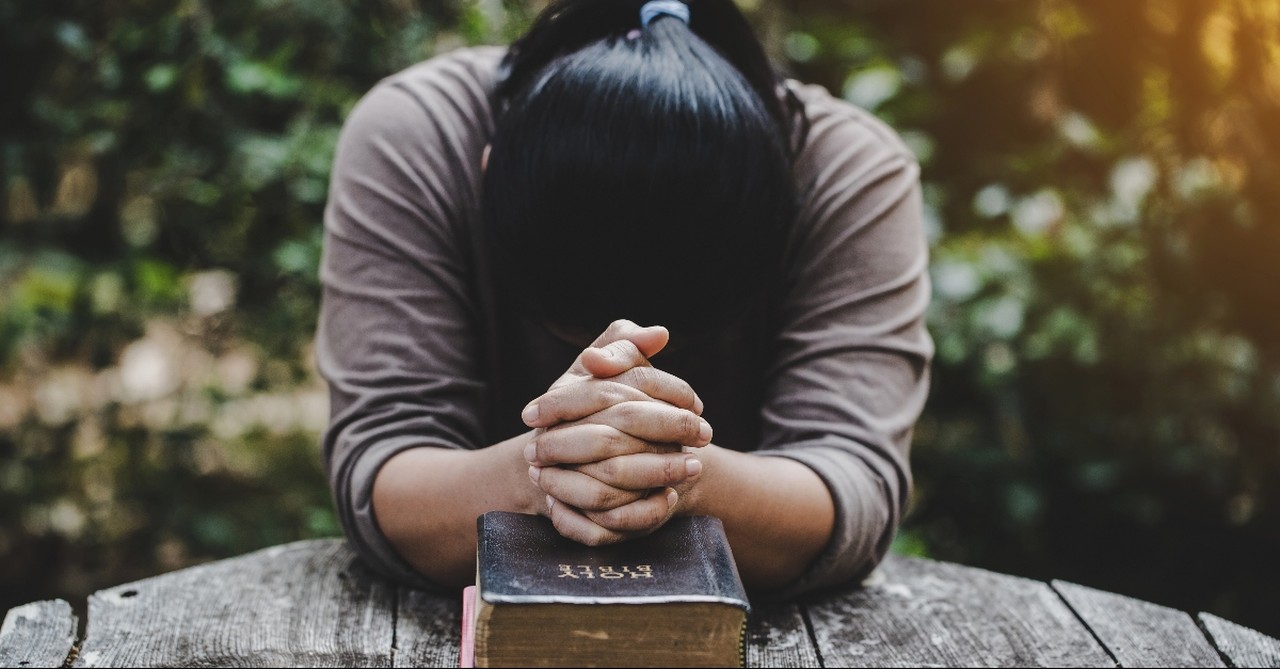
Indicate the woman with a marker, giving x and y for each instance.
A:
(496, 213)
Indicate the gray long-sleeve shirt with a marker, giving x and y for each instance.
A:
(416, 352)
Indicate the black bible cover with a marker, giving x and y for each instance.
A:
(673, 598)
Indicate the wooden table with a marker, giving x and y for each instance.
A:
(312, 603)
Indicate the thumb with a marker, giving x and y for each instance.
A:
(649, 340)
(632, 350)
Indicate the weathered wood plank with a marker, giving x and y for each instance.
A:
(1138, 633)
(428, 629)
(1243, 646)
(310, 603)
(778, 637)
(40, 634)
(916, 612)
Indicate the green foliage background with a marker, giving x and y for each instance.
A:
(1101, 187)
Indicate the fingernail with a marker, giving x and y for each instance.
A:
(530, 414)
(671, 499)
(535, 473)
(698, 406)
(693, 467)
(531, 452)
(704, 432)
(551, 502)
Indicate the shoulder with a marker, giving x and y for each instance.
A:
(851, 168)
(446, 97)
(410, 149)
(466, 76)
(843, 137)
(861, 220)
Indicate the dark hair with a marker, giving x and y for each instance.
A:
(638, 176)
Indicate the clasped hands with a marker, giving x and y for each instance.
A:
(614, 439)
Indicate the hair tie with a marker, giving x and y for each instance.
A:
(655, 8)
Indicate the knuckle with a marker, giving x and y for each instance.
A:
(603, 498)
(673, 469)
(684, 392)
(549, 405)
(607, 470)
(614, 442)
(546, 446)
(629, 411)
(600, 434)
(642, 377)
(549, 481)
(686, 425)
(615, 393)
(655, 514)
(626, 349)
(649, 517)
(659, 383)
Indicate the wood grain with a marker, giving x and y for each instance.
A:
(313, 603)
(1138, 633)
(428, 629)
(40, 634)
(778, 637)
(916, 612)
(309, 603)
(1243, 646)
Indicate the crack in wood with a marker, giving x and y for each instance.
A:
(1226, 659)
(813, 637)
(1242, 647)
(1092, 632)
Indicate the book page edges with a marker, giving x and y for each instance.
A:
(493, 598)
(466, 651)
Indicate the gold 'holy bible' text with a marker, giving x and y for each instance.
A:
(605, 571)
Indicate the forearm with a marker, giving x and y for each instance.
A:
(426, 501)
(777, 513)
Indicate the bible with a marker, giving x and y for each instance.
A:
(672, 598)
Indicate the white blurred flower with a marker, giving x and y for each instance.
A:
(1197, 178)
(958, 63)
(956, 281)
(60, 395)
(1131, 181)
(871, 87)
(236, 370)
(66, 518)
(1034, 215)
(1002, 317)
(1077, 129)
(991, 201)
(211, 292)
(147, 371)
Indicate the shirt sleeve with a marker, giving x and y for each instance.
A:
(397, 335)
(851, 375)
